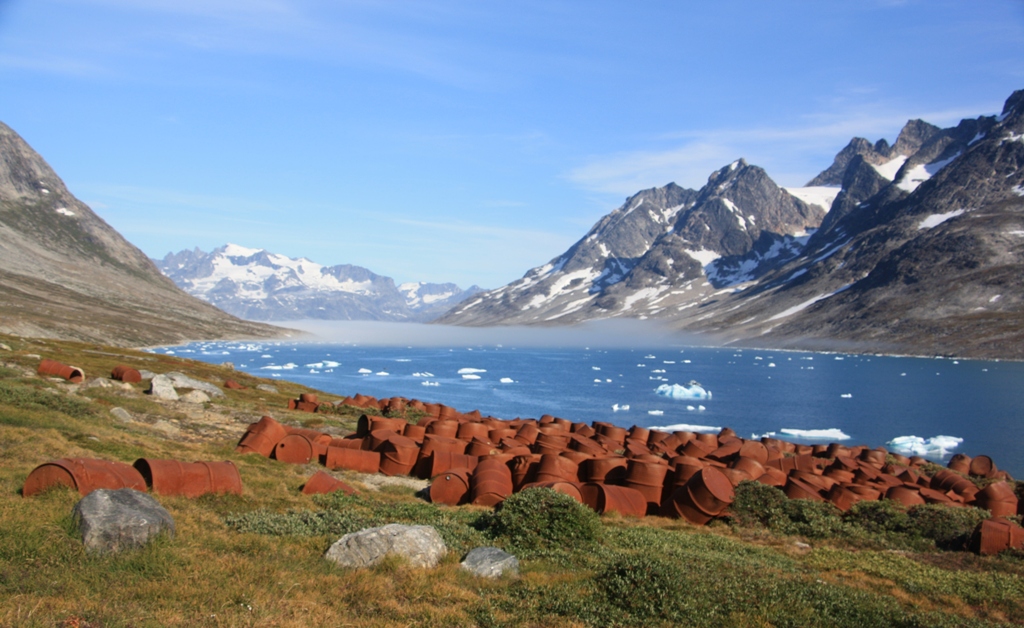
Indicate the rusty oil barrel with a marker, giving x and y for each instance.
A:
(451, 487)
(606, 498)
(398, 455)
(82, 474)
(321, 483)
(996, 535)
(556, 468)
(262, 437)
(190, 479)
(360, 460)
(54, 368)
(126, 374)
(490, 483)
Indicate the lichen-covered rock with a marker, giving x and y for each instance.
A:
(121, 414)
(195, 396)
(490, 562)
(161, 387)
(422, 546)
(114, 520)
(180, 380)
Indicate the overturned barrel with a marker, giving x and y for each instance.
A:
(191, 479)
(82, 474)
(54, 368)
(126, 374)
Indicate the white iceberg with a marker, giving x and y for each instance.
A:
(382, 373)
(620, 408)
(832, 434)
(469, 371)
(936, 446)
(685, 427)
(507, 380)
(470, 376)
(429, 383)
(679, 391)
(365, 371)
(656, 412)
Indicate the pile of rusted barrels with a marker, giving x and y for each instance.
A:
(635, 471)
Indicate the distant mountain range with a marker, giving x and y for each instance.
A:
(65, 273)
(915, 247)
(259, 285)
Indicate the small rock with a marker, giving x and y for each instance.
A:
(146, 374)
(121, 414)
(228, 365)
(168, 428)
(490, 562)
(33, 356)
(422, 546)
(97, 382)
(162, 387)
(114, 520)
(184, 381)
(5, 347)
(194, 396)
(802, 546)
(267, 388)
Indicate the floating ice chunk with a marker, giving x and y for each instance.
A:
(650, 357)
(597, 381)
(429, 383)
(685, 427)
(507, 380)
(470, 376)
(829, 434)
(641, 365)
(679, 391)
(658, 371)
(596, 368)
(382, 373)
(315, 365)
(266, 355)
(700, 408)
(402, 360)
(760, 436)
(656, 412)
(329, 364)
(686, 362)
(608, 381)
(620, 408)
(668, 361)
(469, 371)
(771, 365)
(690, 408)
(934, 447)
(365, 371)
(846, 396)
(283, 367)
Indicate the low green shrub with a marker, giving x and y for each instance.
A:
(31, 398)
(879, 517)
(816, 520)
(950, 528)
(645, 586)
(540, 518)
(760, 504)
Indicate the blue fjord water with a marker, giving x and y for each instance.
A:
(872, 399)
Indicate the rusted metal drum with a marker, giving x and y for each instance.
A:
(839, 475)
(711, 490)
(481, 447)
(754, 450)
(467, 431)
(496, 434)
(641, 434)
(450, 487)
(735, 476)
(615, 433)
(375, 439)
(586, 445)
(360, 460)
(605, 498)
(905, 495)
(647, 477)
(395, 425)
(435, 442)
(82, 474)
(583, 430)
(773, 477)
(835, 450)
(490, 483)
(513, 447)
(999, 498)
(295, 449)
(982, 466)
(842, 497)
(314, 436)
(444, 427)
(697, 449)
(262, 437)
(528, 433)
(887, 481)
(54, 368)
(556, 468)
(932, 496)
(577, 456)
(394, 406)
(726, 451)
(550, 443)
(231, 384)
(873, 457)
(440, 461)
(321, 483)
(309, 398)
(346, 443)
(524, 470)
(753, 468)
(398, 455)
(867, 493)
(798, 489)
(191, 479)
(707, 439)
(961, 463)
(820, 482)
(996, 535)
(126, 374)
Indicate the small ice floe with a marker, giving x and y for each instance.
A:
(668, 361)
(620, 408)
(469, 371)
(365, 371)
(700, 408)
(846, 396)
(282, 367)
(331, 364)
(692, 390)
(596, 368)
(832, 434)
(597, 381)
(641, 366)
(685, 427)
(313, 371)
(266, 355)
(650, 357)
(507, 380)
(686, 362)
(422, 374)
(934, 447)
(470, 376)
(402, 360)
(690, 408)
(382, 373)
(429, 383)
(771, 365)
(658, 370)
(903, 374)
(760, 436)
(656, 412)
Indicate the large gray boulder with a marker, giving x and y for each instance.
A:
(490, 562)
(422, 546)
(161, 387)
(114, 520)
(184, 381)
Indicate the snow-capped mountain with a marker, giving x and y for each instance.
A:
(258, 285)
(922, 251)
(663, 247)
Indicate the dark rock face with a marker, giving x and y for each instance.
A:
(257, 285)
(66, 273)
(116, 520)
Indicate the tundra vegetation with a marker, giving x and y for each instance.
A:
(256, 559)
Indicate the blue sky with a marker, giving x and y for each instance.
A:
(464, 141)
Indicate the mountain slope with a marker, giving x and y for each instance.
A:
(258, 285)
(65, 273)
(921, 251)
(652, 252)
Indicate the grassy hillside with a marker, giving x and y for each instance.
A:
(256, 559)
